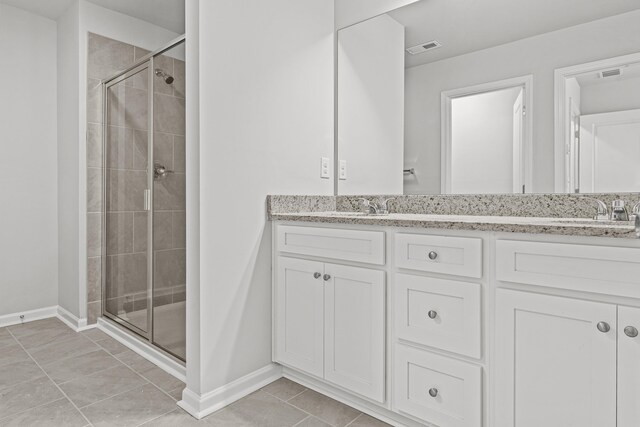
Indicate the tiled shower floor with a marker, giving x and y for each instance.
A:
(51, 376)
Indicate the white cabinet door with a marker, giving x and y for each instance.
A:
(553, 366)
(354, 329)
(628, 367)
(299, 314)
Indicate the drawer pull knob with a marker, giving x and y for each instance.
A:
(433, 392)
(326, 277)
(432, 314)
(603, 327)
(433, 255)
(631, 332)
(317, 275)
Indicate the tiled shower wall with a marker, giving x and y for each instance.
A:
(127, 175)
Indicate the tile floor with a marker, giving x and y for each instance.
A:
(51, 376)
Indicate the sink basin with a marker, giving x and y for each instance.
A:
(349, 214)
(585, 221)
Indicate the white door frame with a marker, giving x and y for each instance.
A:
(445, 126)
(561, 123)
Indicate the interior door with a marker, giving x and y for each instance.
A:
(354, 329)
(299, 314)
(518, 125)
(628, 367)
(573, 156)
(610, 152)
(554, 367)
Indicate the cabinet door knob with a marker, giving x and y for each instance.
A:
(432, 314)
(433, 392)
(317, 275)
(631, 332)
(326, 277)
(603, 327)
(433, 255)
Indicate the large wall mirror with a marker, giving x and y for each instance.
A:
(493, 96)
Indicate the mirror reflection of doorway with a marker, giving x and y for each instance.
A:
(485, 139)
(598, 126)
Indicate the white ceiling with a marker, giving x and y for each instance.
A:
(51, 9)
(464, 26)
(168, 14)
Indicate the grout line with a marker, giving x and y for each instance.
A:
(360, 413)
(158, 417)
(302, 420)
(35, 407)
(310, 414)
(354, 420)
(145, 378)
(296, 394)
(50, 379)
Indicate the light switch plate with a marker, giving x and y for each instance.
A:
(342, 170)
(324, 168)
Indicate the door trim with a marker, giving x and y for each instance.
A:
(561, 130)
(445, 125)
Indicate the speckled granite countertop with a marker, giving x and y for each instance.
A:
(505, 224)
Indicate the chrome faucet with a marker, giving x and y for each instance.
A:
(635, 213)
(602, 214)
(619, 211)
(380, 207)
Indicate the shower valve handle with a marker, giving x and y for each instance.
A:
(160, 171)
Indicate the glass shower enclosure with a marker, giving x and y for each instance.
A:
(143, 227)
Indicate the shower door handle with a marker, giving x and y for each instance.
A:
(147, 200)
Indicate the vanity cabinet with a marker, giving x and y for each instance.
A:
(447, 328)
(567, 361)
(555, 361)
(330, 323)
(628, 367)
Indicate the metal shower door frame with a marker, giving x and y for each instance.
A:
(145, 62)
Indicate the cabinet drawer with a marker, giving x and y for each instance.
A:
(439, 313)
(348, 245)
(600, 269)
(437, 389)
(460, 256)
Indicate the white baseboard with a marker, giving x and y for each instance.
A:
(144, 349)
(200, 406)
(72, 321)
(347, 398)
(28, 316)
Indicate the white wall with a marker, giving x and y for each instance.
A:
(540, 55)
(371, 106)
(348, 12)
(266, 119)
(482, 142)
(28, 230)
(610, 96)
(69, 211)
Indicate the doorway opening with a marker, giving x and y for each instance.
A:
(486, 138)
(598, 126)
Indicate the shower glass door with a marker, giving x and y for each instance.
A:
(144, 222)
(127, 214)
(169, 219)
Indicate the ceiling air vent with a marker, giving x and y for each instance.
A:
(610, 73)
(423, 47)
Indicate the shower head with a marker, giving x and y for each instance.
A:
(166, 77)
